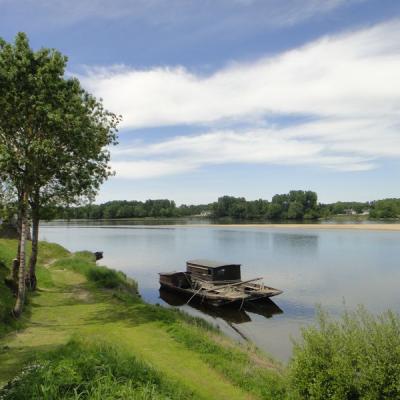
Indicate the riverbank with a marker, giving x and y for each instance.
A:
(327, 226)
(75, 300)
(168, 224)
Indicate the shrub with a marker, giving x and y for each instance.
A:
(6, 300)
(80, 370)
(83, 262)
(355, 357)
(107, 278)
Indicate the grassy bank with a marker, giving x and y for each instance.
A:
(81, 308)
(86, 334)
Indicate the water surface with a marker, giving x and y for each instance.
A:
(311, 267)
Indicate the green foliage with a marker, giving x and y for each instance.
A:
(81, 370)
(356, 357)
(180, 346)
(243, 368)
(130, 209)
(6, 300)
(106, 277)
(49, 252)
(54, 135)
(83, 262)
(8, 249)
(387, 208)
(8, 231)
(343, 208)
(296, 205)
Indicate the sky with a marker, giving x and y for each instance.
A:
(235, 97)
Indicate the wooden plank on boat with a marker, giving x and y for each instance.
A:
(233, 284)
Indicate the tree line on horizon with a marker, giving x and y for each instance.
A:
(295, 205)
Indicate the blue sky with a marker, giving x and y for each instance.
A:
(241, 97)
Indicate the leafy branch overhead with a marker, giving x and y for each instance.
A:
(54, 136)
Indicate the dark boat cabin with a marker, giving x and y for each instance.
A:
(176, 279)
(213, 271)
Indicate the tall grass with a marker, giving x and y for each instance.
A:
(103, 277)
(83, 370)
(243, 367)
(355, 357)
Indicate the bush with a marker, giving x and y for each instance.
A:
(80, 370)
(356, 357)
(107, 278)
(6, 300)
(83, 262)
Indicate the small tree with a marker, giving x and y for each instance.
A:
(54, 135)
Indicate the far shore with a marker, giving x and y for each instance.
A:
(315, 226)
(363, 227)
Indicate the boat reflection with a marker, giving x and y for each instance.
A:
(231, 314)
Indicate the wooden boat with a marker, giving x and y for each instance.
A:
(230, 314)
(215, 283)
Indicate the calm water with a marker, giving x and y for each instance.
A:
(311, 266)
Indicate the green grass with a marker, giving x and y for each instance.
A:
(245, 367)
(76, 300)
(102, 277)
(130, 349)
(80, 370)
(8, 250)
(354, 357)
(6, 301)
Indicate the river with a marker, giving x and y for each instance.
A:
(333, 268)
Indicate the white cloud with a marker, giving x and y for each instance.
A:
(349, 84)
(272, 146)
(352, 75)
(140, 169)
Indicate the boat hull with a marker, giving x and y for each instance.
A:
(221, 300)
(215, 301)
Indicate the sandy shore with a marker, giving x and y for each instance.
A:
(360, 227)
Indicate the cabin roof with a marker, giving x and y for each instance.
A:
(170, 273)
(210, 263)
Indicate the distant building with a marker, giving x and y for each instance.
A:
(350, 211)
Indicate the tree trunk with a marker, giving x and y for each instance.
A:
(19, 304)
(15, 271)
(34, 253)
(18, 255)
(19, 221)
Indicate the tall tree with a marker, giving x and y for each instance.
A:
(53, 134)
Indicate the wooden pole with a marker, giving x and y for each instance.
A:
(233, 284)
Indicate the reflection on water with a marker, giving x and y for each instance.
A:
(230, 314)
(311, 267)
